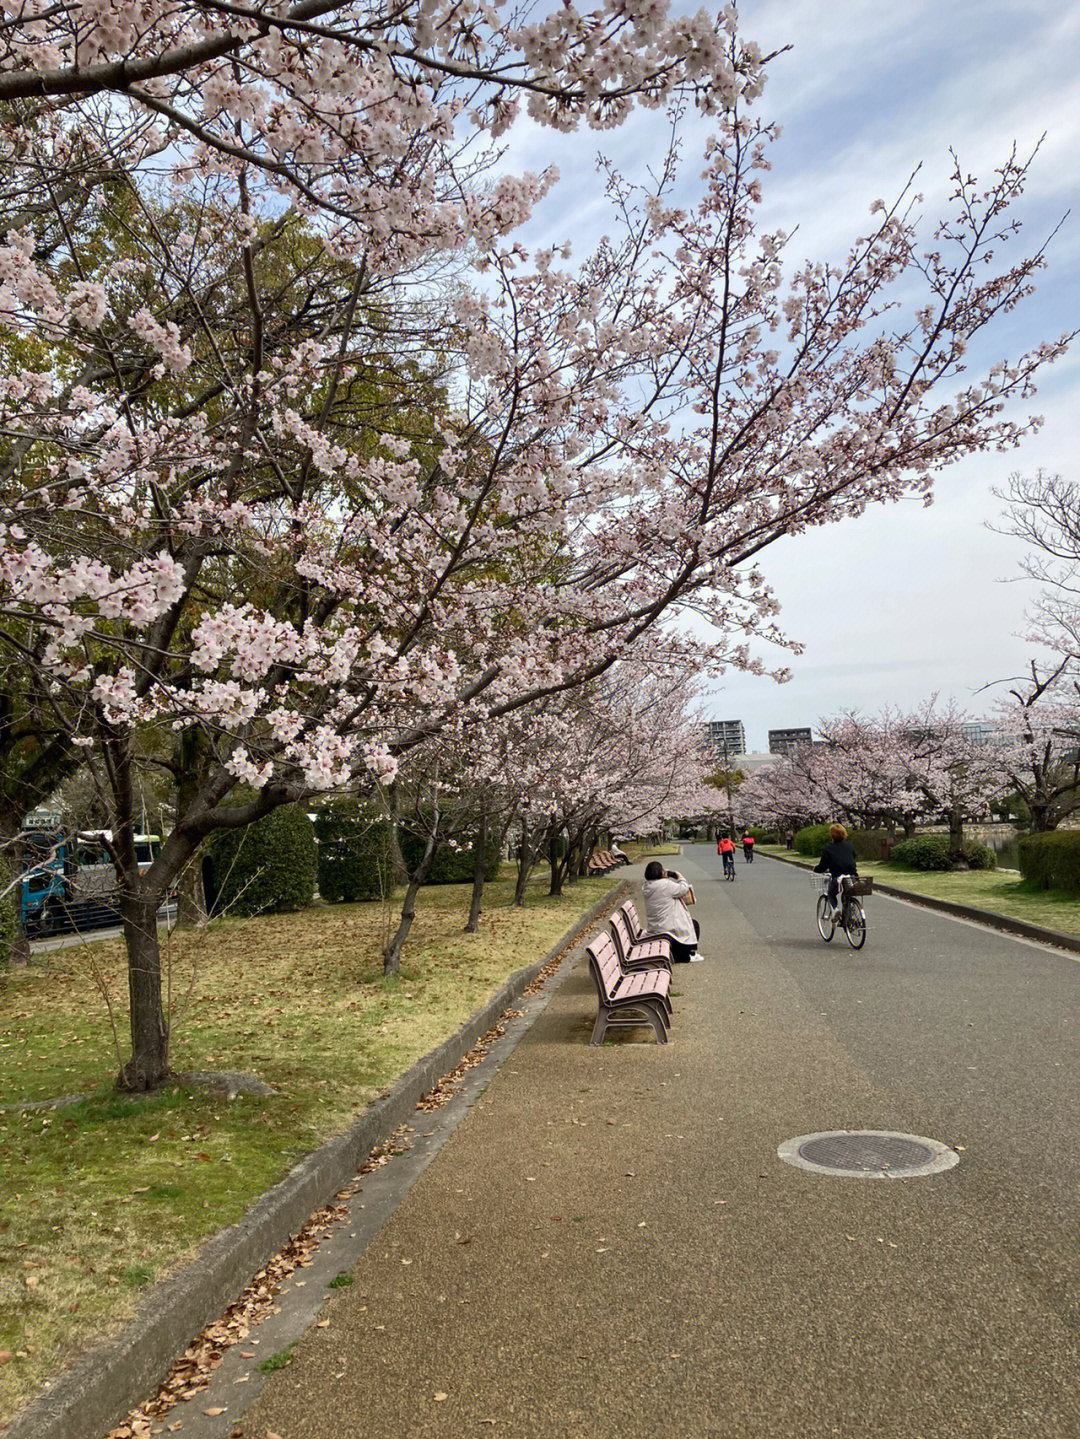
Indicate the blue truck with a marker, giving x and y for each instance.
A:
(67, 881)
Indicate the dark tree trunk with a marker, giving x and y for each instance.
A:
(149, 1062)
(11, 868)
(479, 868)
(525, 864)
(909, 827)
(557, 870)
(190, 894)
(392, 952)
(956, 837)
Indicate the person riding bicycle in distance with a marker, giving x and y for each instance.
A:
(725, 848)
(837, 858)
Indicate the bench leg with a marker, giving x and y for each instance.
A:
(650, 1013)
(656, 1019)
(600, 1027)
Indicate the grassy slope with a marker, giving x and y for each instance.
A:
(102, 1197)
(1000, 891)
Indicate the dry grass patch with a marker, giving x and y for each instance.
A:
(104, 1196)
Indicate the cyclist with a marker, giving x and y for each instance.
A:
(726, 850)
(748, 846)
(837, 858)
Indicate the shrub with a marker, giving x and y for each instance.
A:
(979, 855)
(267, 867)
(867, 842)
(812, 840)
(931, 851)
(925, 851)
(1052, 860)
(452, 866)
(354, 854)
(763, 836)
(9, 915)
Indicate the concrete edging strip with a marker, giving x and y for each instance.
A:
(1001, 922)
(104, 1386)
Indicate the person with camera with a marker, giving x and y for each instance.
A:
(664, 894)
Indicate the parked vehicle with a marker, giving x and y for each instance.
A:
(68, 881)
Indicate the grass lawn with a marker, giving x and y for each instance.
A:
(103, 1197)
(1000, 891)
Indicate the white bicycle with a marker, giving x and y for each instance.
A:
(852, 916)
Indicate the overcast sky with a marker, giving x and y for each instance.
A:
(904, 601)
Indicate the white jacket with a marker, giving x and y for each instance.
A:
(664, 914)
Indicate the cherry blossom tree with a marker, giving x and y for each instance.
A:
(1038, 741)
(206, 525)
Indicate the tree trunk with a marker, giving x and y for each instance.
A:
(190, 894)
(479, 868)
(392, 952)
(524, 866)
(556, 863)
(149, 1062)
(956, 837)
(11, 869)
(909, 827)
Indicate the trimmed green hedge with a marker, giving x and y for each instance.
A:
(931, 852)
(925, 851)
(452, 866)
(1052, 860)
(867, 842)
(9, 915)
(266, 868)
(354, 853)
(811, 841)
(763, 836)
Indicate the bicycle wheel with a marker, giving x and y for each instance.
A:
(855, 924)
(825, 923)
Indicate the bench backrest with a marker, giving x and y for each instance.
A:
(621, 933)
(631, 916)
(604, 963)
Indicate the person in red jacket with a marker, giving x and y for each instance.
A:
(748, 846)
(726, 850)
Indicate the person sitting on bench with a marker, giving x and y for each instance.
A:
(665, 913)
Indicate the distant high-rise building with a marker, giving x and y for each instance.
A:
(983, 732)
(787, 741)
(727, 737)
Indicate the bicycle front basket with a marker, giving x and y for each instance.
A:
(821, 883)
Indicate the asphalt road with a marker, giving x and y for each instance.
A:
(609, 1244)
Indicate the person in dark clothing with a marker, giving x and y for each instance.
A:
(837, 858)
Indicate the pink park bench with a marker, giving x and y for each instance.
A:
(625, 1000)
(638, 953)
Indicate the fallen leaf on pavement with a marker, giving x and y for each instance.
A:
(439, 1397)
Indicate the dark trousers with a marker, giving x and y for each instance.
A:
(680, 953)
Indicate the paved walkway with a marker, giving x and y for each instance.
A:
(609, 1245)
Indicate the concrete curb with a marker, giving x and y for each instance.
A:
(105, 1385)
(1003, 923)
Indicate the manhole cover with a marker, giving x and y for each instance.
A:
(868, 1154)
